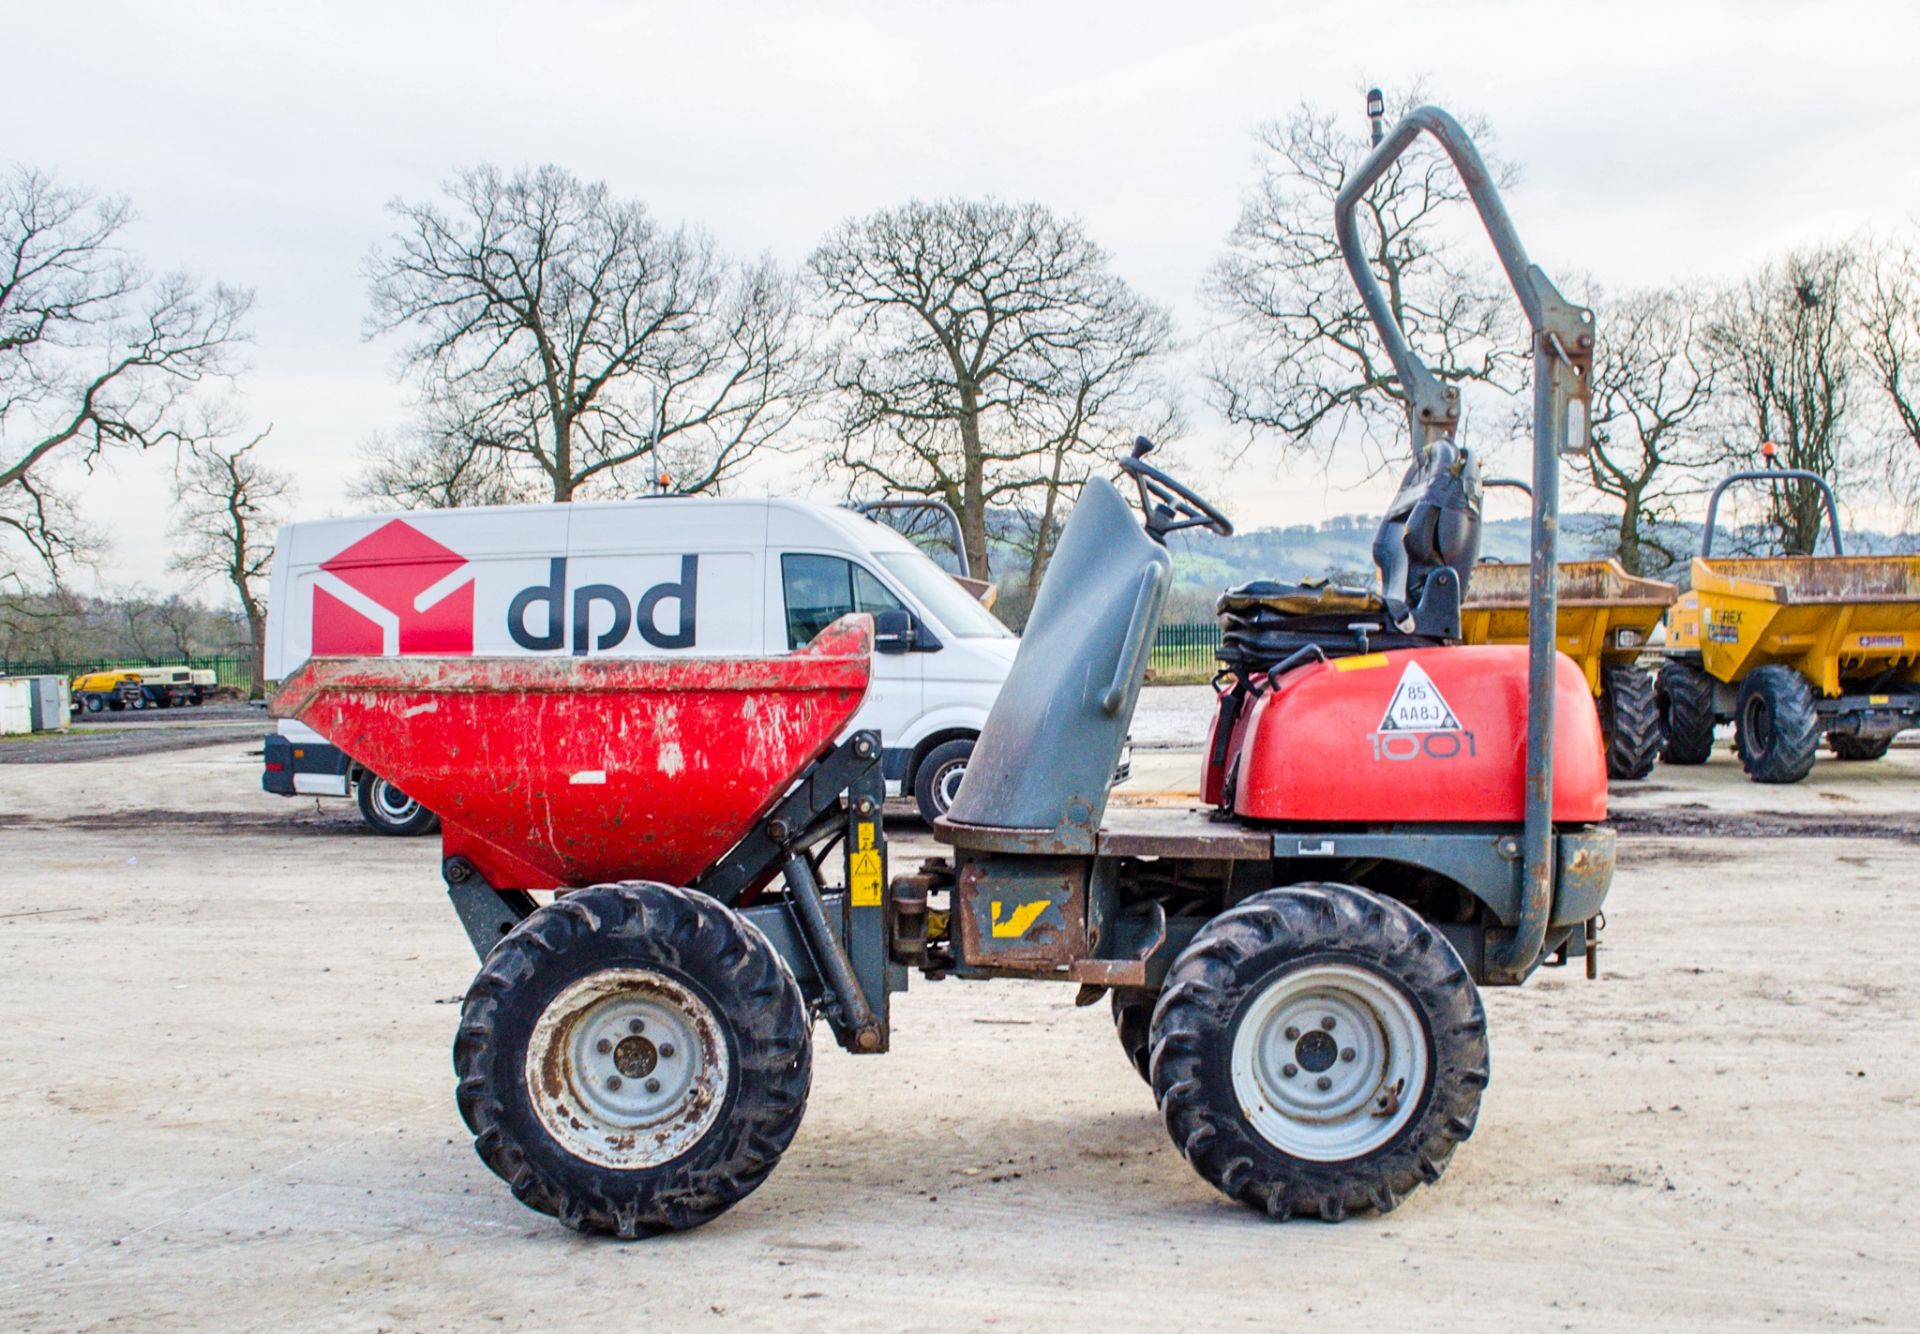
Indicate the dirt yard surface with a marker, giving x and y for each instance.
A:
(228, 1102)
(98, 736)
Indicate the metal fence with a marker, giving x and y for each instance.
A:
(230, 669)
(1186, 650)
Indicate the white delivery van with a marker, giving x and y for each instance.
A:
(701, 576)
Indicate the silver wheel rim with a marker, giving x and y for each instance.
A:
(393, 804)
(946, 784)
(627, 1069)
(1329, 1062)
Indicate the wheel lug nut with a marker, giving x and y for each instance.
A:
(613, 1081)
(1327, 1023)
(1346, 1053)
(1293, 1035)
(666, 1050)
(603, 1046)
(653, 1086)
(1323, 1083)
(1289, 1070)
(636, 1026)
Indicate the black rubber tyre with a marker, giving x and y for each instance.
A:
(938, 777)
(1133, 1020)
(95, 704)
(719, 958)
(1683, 699)
(116, 705)
(163, 700)
(388, 810)
(1845, 747)
(1776, 730)
(137, 700)
(1629, 721)
(1229, 965)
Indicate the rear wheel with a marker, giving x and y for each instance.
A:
(937, 781)
(1133, 1020)
(388, 810)
(1845, 747)
(1629, 721)
(633, 1059)
(1319, 1050)
(95, 704)
(1776, 730)
(1683, 699)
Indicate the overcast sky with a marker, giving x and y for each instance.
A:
(261, 142)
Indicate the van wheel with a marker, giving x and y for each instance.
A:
(388, 810)
(938, 781)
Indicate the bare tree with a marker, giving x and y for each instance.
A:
(985, 354)
(94, 353)
(225, 521)
(1784, 334)
(1654, 378)
(560, 335)
(1295, 354)
(1887, 313)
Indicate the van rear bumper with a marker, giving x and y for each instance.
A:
(304, 769)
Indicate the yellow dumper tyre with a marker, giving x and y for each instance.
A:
(1846, 747)
(1683, 699)
(1133, 1021)
(1776, 729)
(1630, 722)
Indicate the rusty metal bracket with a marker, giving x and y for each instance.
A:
(485, 913)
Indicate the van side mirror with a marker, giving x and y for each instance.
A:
(894, 631)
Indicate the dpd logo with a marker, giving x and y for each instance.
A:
(396, 590)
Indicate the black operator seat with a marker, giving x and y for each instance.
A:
(1425, 551)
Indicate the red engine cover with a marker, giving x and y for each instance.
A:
(1420, 735)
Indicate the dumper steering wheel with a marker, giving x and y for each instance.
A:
(1169, 505)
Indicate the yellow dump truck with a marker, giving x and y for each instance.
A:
(1606, 616)
(118, 688)
(1790, 647)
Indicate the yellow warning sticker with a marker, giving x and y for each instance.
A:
(863, 868)
(1879, 699)
(1361, 663)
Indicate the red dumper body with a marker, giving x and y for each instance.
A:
(550, 773)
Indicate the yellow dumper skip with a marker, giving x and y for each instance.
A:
(1832, 619)
(1605, 614)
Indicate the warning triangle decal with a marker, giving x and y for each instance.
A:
(1418, 705)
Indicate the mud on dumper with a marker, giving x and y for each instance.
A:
(1788, 648)
(1294, 969)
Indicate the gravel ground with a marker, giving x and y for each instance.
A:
(228, 1103)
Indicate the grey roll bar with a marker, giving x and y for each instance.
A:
(1773, 474)
(1562, 338)
(940, 507)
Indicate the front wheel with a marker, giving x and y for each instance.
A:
(1319, 1050)
(1777, 730)
(388, 810)
(95, 704)
(633, 1059)
(937, 782)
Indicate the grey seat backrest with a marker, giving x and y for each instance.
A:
(1434, 522)
(1045, 758)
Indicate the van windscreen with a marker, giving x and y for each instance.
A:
(954, 607)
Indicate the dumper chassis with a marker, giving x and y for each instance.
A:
(1302, 994)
